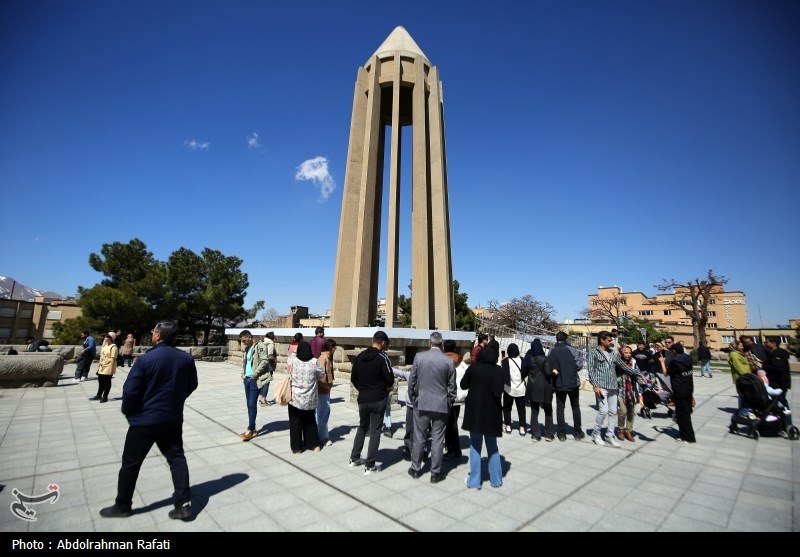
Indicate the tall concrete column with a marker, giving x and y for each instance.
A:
(397, 87)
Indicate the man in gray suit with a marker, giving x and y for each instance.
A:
(432, 390)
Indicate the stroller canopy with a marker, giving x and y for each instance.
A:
(753, 391)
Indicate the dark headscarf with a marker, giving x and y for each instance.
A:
(513, 350)
(488, 355)
(536, 347)
(304, 351)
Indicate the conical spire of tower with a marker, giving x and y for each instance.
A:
(400, 40)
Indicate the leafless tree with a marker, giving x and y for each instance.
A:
(608, 308)
(523, 312)
(692, 297)
(270, 318)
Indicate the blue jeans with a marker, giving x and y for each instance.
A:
(495, 472)
(251, 392)
(387, 414)
(323, 413)
(262, 394)
(705, 366)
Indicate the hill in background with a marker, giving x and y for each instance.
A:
(22, 292)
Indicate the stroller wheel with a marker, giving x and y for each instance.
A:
(794, 433)
(733, 428)
(755, 435)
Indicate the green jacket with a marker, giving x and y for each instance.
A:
(262, 367)
(739, 365)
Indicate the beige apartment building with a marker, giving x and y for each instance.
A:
(20, 319)
(727, 313)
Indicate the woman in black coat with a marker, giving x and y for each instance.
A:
(483, 415)
(540, 390)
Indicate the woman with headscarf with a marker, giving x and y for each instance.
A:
(106, 368)
(628, 395)
(305, 376)
(737, 360)
(536, 367)
(514, 389)
(483, 415)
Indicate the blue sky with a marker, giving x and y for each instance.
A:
(588, 142)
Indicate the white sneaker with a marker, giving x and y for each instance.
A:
(83, 379)
(613, 442)
(597, 440)
(75, 380)
(372, 470)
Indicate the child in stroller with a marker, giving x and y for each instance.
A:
(760, 411)
(656, 392)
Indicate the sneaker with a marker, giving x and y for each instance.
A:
(548, 438)
(94, 398)
(597, 440)
(783, 434)
(317, 449)
(387, 432)
(328, 443)
(83, 379)
(579, 434)
(181, 513)
(115, 511)
(75, 380)
(371, 469)
(356, 462)
(562, 437)
(536, 439)
(613, 442)
(679, 440)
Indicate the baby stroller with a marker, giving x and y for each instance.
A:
(765, 416)
(655, 393)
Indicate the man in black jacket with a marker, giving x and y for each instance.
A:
(373, 378)
(564, 364)
(778, 373)
(704, 356)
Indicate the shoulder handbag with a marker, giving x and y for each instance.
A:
(283, 391)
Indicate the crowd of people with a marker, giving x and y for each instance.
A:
(488, 386)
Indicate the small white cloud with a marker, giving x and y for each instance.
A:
(316, 170)
(252, 141)
(195, 145)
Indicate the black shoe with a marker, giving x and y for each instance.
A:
(181, 513)
(94, 398)
(579, 434)
(387, 432)
(436, 478)
(356, 462)
(562, 437)
(102, 400)
(406, 453)
(452, 455)
(415, 473)
(115, 511)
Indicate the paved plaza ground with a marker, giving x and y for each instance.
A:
(55, 436)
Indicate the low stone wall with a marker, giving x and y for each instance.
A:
(36, 369)
(70, 352)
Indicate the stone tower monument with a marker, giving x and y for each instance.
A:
(397, 87)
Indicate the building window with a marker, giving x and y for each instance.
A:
(623, 301)
(7, 312)
(727, 339)
(712, 302)
(711, 325)
(646, 312)
(712, 313)
(25, 314)
(667, 312)
(594, 302)
(624, 314)
(5, 333)
(54, 315)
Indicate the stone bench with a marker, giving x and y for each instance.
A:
(30, 370)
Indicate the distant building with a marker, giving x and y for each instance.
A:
(20, 319)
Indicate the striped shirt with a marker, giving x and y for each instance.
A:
(602, 368)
